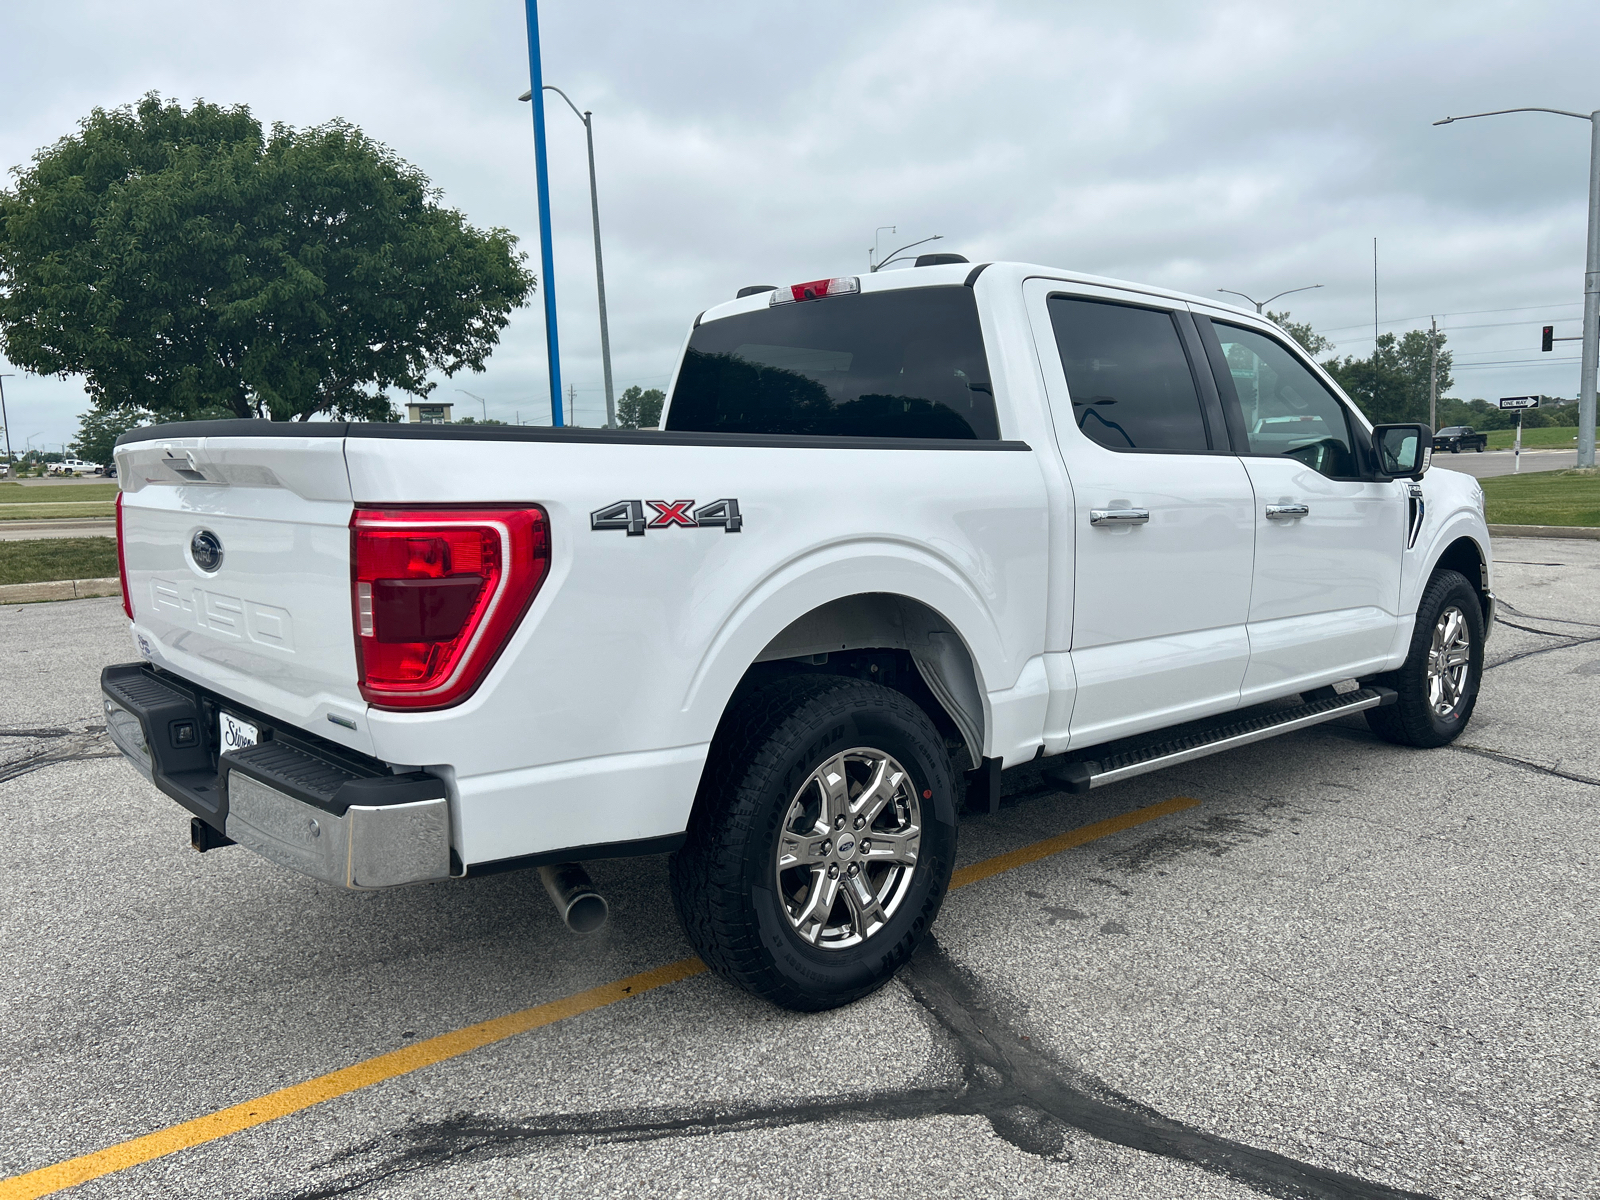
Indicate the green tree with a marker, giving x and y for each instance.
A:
(640, 409)
(1312, 342)
(479, 421)
(183, 260)
(99, 429)
(1392, 385)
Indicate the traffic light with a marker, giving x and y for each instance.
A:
(1549, 337)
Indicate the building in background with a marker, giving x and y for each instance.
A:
(428, 414)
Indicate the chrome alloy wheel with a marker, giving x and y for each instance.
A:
(1449, 662)
(848, 848)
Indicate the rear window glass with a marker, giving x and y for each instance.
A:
(904, 363)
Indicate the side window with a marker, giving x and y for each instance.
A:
(1286, 408)
(1131, 385)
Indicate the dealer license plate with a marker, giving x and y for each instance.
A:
(236, 734)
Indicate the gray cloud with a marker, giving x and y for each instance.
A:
(1244, 145)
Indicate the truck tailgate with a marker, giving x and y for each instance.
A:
(269, 623)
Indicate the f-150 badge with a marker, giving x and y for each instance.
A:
(629, 516)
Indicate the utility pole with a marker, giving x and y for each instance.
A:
(542, 185)
(1591, 277)
(572, 404)
(5, 421)
(1433, 374)
(1374, 302)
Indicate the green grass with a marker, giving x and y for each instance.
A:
(1544, 498)
(1549, 438)
(21, 503)
(21, 493)
(58, 558)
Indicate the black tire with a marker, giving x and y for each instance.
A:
(1479, 447)
(725, 880)
(1413, 720)
(1455, 448)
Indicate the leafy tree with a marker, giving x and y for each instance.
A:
(184, 260)
(1312, 342)
(1392, 385)
(640, 409)
(479, 421)
(99, 429)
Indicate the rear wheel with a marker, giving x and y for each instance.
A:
(1438, 683)
(1479, 447)
(822, 842)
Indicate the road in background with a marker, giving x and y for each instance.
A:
(57, 527)
(1503, 462)
(1348, 957)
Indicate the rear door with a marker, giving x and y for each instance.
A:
(1161, 506)
(258, 608)
(1325, 595)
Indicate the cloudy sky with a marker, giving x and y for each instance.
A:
(1249, 145)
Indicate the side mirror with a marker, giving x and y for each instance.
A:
(1403, 449)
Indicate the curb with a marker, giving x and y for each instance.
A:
(1587, 533)
(59, 589)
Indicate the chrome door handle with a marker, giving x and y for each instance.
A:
(1119, 516)
(1287, 512)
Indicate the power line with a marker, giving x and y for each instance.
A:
(1471, 312)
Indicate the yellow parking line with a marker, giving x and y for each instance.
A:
(1065, 841)
(446, 1046)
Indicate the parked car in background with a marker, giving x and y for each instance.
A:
(1456, 438)
(74, 466)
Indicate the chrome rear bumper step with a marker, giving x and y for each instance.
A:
(1087, 774)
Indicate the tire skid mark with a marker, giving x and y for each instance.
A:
(52, 746)
(1029, 1100)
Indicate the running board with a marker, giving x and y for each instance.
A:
(1093, 773)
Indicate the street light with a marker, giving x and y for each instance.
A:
(5, 421)
(587, 118)
(884, 262)
(1261, 304)
(1591, 276)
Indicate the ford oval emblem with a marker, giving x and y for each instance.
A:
(206, 549)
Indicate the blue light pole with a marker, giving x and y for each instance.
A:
(546, 251)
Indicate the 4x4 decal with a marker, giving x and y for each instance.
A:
(629, 516)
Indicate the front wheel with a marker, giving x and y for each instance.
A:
(1438, 683)
(822, 841)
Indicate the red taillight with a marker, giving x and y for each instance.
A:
(816, 289)
(122, 563)
(436, 593)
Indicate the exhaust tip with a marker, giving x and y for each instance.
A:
(570, 889)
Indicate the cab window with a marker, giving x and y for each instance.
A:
(1130, 381)
(1286, 408)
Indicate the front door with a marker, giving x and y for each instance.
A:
(1162, 512)
(1326, 594)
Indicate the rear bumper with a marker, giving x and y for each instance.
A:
(295, 799)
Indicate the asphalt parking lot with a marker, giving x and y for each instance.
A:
(1316, 966)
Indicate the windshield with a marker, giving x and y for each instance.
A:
(902, 363)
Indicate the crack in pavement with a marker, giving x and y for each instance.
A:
(1029, 1100)
(1512, 760)
(1570, 641)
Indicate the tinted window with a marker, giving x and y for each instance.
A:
(1129, 377)
(1286, 408)
(904, 363)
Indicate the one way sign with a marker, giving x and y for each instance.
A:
(1519, 402)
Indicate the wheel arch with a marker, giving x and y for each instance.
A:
(1463, 554)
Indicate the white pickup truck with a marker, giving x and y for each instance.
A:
(896, 532)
